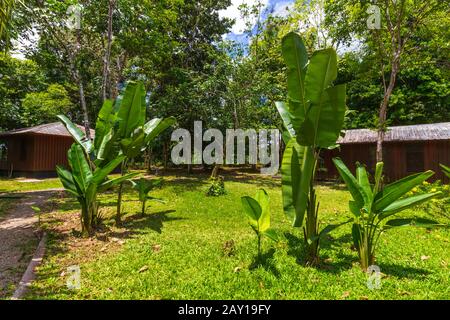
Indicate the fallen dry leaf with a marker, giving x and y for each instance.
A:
(143, 269)
(423, 258)
(156, 248)
(346, 294)
(237, 269)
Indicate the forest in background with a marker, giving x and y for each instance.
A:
(191, 71)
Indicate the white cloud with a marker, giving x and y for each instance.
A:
(233, 12)
(282, 8)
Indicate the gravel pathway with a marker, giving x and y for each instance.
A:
(18, 239)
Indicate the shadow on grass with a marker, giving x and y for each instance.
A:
(400, 271)
(297, 250)
(154, 221)
(266, 262)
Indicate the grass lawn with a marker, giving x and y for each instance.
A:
(23, 185)
(198, 247)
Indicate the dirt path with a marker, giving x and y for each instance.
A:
(18, 239)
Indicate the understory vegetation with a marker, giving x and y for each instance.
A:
(185, 250)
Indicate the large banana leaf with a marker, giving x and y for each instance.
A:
(67, 181)
(324, 119)
(296, 58)
(394, 191)
(296, 170)
(104, 124)
(363, 182)
(100, 174)
(286, 116)
(81, 172)
(132, 146)
(352, 184)
(131, 114)
(406, 203)
(108, 184)
(155, 127)
(322, 71)
(78, 135)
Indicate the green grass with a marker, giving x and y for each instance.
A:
(22, 185)
(191, 230)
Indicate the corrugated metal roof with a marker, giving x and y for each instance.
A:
(435, 131)
(53, 129)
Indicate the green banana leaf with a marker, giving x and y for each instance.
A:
(264, 220)
(155, 127)
(296, 58)
(253, 211)
(352, 184)
(406, 203)
(67, 181)
(81, 172)
(108, 184)
(131, 114)
(78, 135)
(394, 191)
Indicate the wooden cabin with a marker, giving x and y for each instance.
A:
(34, 152)
(406, 150)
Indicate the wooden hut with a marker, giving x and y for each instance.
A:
(406, 150)
(36, 151)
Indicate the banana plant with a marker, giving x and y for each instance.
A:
(133, 134)
(258, 213)
(373, 206)
(446, 170)
(313, 117)
(143, 187)
(84, 183)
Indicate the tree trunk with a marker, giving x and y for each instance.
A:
(383, 110)
(106, 84)
(119, 195)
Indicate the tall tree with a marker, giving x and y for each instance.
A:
(387, 27)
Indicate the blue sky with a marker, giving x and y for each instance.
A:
(278, 7)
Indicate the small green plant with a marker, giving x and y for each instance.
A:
(373, 206)
(217, 187)
(143, 187)
(258, 214)
(37, 210)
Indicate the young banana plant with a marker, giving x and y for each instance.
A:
(313, 118)
(143, 187)
(84, 183)
(373, 206)
(258, 213)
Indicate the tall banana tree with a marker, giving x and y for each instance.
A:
(373, 206)
(85, 183)
(313, 117)
(133, 134)
(90, 163)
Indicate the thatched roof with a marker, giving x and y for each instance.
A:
(52, 129)
(421, 132)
